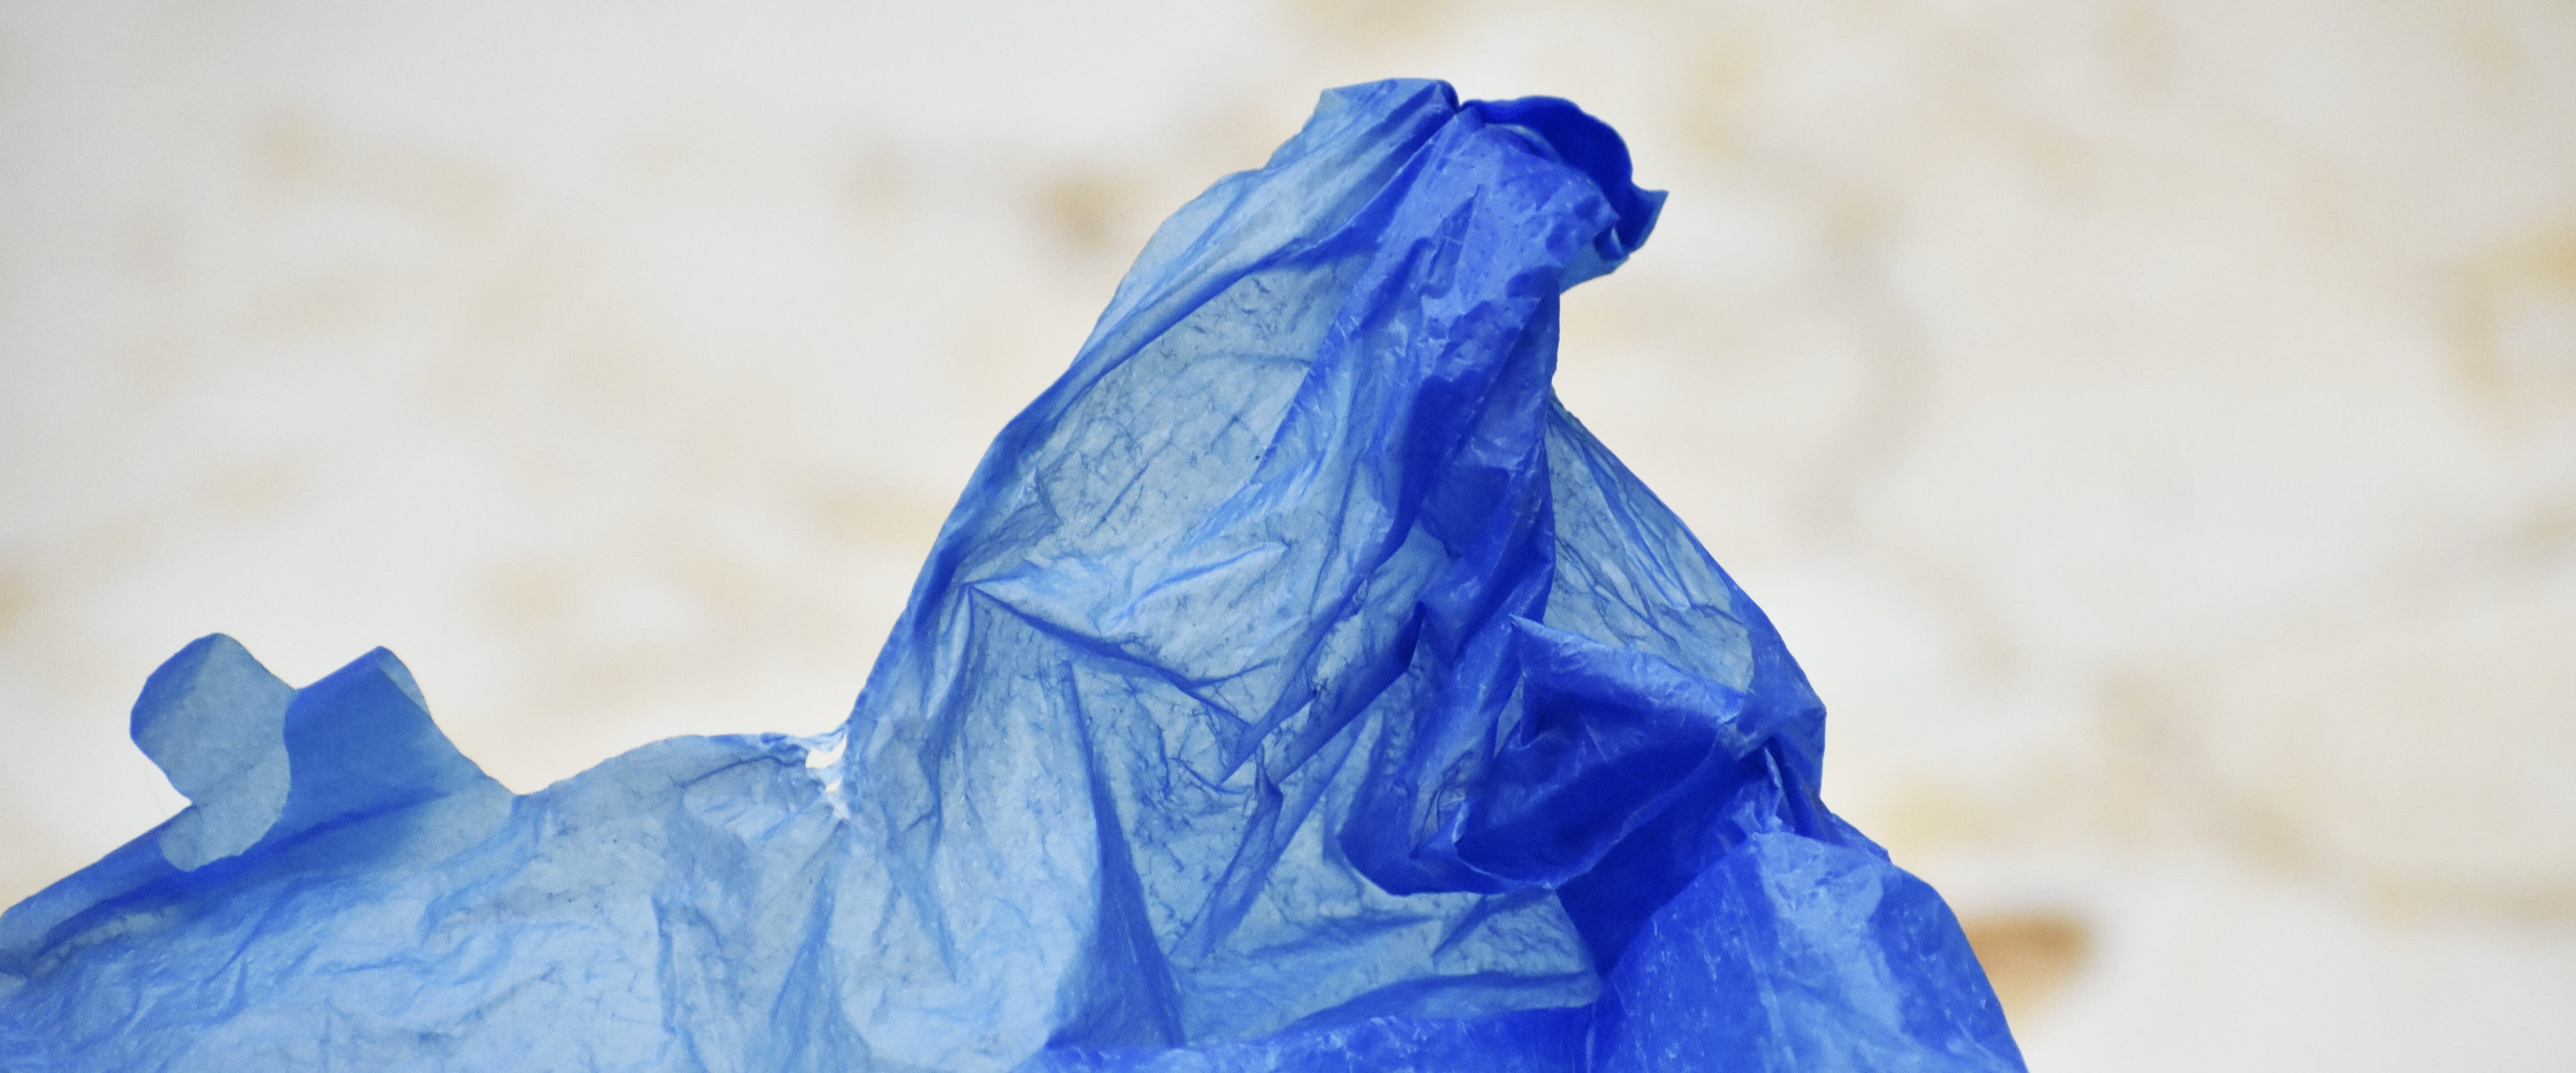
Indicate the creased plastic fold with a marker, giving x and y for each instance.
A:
(1296, 686)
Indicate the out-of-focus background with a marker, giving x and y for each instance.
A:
(2152, 423)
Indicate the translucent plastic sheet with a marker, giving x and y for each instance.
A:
(1296, 686)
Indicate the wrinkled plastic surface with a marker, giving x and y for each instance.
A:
(1296, 686)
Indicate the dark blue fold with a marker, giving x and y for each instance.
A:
(1295, 686)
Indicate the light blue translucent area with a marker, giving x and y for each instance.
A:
(1296, 686)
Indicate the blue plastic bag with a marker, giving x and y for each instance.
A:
(1296, 686)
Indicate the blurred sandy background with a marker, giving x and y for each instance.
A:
(2153, 424)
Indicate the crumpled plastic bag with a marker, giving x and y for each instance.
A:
(1296, 686)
